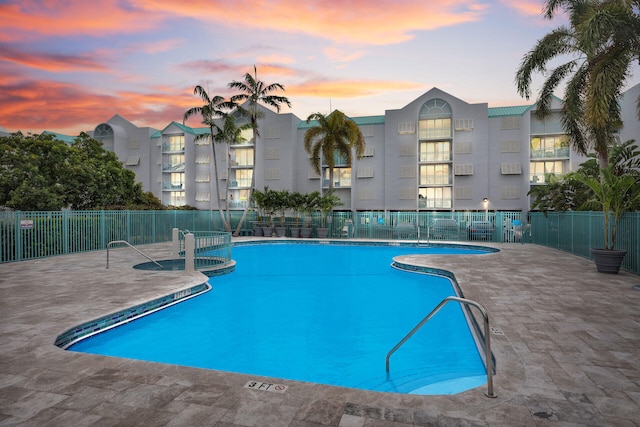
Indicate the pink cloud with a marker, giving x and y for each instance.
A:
(51, 62)
(377, 22)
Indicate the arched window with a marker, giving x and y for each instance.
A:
(104, 134)
(434, 120)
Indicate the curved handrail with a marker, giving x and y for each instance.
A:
(488, 359)
(132, 247)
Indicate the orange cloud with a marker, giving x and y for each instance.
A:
(348, 88)
(341, 55)
(50, 62)
(377, 22)
(35, 106)
(28, 18)
(525, 7)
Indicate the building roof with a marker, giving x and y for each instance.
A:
(360, 121)
(185, 128)
(62, 137)
(508, 111)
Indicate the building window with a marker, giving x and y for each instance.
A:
(539, 170)
(434, 120)
(174, 162)
(434, 128)
(341, 177)
(173, 143)
(243, 178)
(437, 174)
(243, 157)
(176, 198)
(437, 151)
(177, 180)
(434, 198)
(550, 147)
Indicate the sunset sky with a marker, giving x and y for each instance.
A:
(66, 66)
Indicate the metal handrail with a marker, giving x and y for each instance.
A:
(132, 247)
(488, 359)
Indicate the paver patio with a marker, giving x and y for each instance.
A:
(566, 340)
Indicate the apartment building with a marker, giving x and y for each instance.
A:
(436, 153)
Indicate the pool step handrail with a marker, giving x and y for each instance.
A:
(113, 242)
(487, 347)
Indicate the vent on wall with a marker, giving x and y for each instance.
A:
(463, 169)
(365, 173)
(511, 169)
(407, 128)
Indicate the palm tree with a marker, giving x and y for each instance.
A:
(336, 135)
(603, 39)
(254, 91)
(211, 110)
(230, 133)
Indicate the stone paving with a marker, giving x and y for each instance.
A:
(566, 340)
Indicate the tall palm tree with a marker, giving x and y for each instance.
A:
(603, 40)
(212, 109)
(335, 135)
(229, 133)
(254, 92)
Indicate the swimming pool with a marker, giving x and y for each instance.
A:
(318, 313)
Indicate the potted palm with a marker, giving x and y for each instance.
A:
(615, 194)
(281, 204)
(296, 203)
(327, 204)
(309, 205)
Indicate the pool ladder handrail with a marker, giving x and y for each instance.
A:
(132, 247)
(487, 347)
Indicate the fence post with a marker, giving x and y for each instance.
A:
(175, 242)
(189, 252)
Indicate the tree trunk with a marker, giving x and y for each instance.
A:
(215, 172)
(253, 176)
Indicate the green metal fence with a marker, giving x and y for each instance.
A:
(29, 235)
(578, 232)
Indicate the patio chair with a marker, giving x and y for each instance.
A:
(347, 229)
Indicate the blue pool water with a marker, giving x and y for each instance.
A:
(318, 313)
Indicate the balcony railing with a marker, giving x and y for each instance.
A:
(562, 152)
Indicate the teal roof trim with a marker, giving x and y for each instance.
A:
(64, 138)
(509, 111)
(360, 121)
(185, 128)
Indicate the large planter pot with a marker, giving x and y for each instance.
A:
(322, 232)
(608, 261)
(295, 231)
(257, 231)
(267, 230)
(306, 232)
(281, 231)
